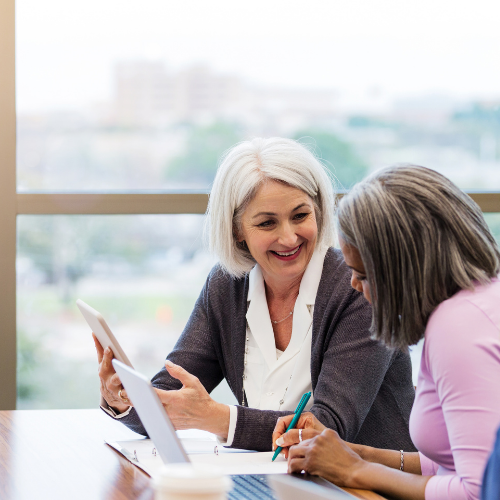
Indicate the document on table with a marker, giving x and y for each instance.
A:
(200, 446)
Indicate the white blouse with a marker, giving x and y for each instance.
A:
(275, 380)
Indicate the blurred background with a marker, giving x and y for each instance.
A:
(146, 96)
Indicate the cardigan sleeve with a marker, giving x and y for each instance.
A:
(194, 351)
(352, 372)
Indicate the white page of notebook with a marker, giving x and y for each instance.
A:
(200, 446)
(244, 463)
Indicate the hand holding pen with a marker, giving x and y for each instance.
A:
(307, 427)
(298, 411)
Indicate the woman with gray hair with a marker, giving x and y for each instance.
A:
(422, 254)
(276, 317)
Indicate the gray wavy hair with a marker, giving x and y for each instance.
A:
(243, 169)
(421, 240)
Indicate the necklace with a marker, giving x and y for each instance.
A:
(243, 399)
(281, 320)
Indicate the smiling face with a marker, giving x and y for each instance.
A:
(353, 260)
(279, 227)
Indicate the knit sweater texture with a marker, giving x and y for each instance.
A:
(362, 389)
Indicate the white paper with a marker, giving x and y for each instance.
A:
(244, 463)
(200, 447)
(140, 453)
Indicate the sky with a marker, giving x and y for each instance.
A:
(361, 48)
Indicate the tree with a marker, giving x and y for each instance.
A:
(205, 145)
(337, 155)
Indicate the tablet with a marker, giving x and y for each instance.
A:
(102, 331)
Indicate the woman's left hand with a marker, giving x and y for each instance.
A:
(308, 426)
(191, 407)
(326, 455)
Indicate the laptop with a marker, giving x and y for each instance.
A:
(170, 448)
(290, 487)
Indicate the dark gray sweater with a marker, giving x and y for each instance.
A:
(361, 389)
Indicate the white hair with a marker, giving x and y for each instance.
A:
(243, 169)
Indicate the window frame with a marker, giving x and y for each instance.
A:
(8, 207)
(13, 204)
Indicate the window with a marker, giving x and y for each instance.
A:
(128, 112)
(142, 272)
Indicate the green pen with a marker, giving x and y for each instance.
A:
(298, 411)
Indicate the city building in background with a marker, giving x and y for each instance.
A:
(147, 97)
(156, 116)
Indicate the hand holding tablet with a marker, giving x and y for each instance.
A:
(102, 331)
(107, 348)
(187, 405)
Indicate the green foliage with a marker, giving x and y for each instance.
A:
(493, 221)
(475, 124)
(61, 246)
(47, 380)
(37, 235)
(480, 114)
(204, 147)
(360, 121)
(29, 359)
(337, 155)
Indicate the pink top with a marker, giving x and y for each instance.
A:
(457, 405)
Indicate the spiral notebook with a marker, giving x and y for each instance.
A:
(201, 447)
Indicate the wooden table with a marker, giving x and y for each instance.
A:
(60, 454)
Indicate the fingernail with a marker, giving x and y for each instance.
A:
(107, 350)
(169, 364)
(280, 442)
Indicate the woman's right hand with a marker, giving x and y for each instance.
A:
(309, 424)
(110, 382)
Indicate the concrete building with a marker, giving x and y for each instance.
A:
(147, 94)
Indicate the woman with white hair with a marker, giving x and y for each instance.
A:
(422, 254)
(276, 317)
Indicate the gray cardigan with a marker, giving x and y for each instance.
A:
(361, 389)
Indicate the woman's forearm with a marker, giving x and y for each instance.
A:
(390, 458)
(326, 455)
(217, 420)
(387, 481)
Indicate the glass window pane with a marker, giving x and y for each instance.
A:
(143, 273)
(148, 95)
(493, 221)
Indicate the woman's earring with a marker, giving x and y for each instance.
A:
(242, 244)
